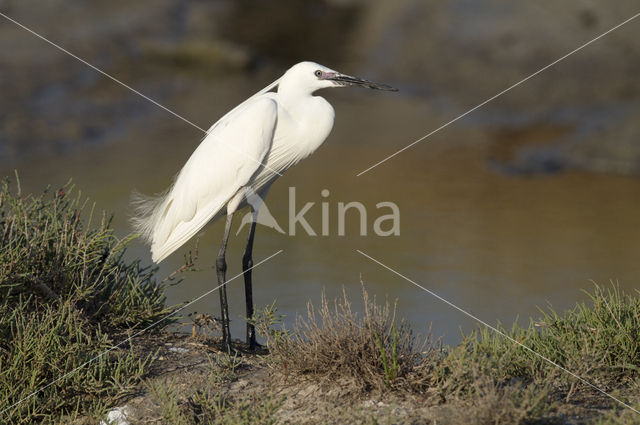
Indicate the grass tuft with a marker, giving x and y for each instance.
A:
(485, 379)
(66, 294)
(376, 351)
(598, 340)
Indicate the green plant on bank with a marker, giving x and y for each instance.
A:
(496, 378)
(599, 340)
(209, 404)
(67, 294)
(621, 415)
(228, 362)
(269, 324)
(215, 408)
(486, 379)
(390, 370)
(168, 397)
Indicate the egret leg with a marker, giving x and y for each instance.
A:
(221, 270)
(247, 264)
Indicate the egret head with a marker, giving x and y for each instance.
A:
(307, 77)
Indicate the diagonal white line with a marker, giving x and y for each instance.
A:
(128, 87)
(499, 94)
(498, 331)
(62, 49)
(136, 334)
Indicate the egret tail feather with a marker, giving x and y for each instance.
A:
(147, 212)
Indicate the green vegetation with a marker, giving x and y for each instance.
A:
(66, 295)
(390, 370)
(211, 406)
(202, 395)
(599, 340)
(497, 380)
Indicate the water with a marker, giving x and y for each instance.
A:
(495, 245)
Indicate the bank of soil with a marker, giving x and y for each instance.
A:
(248, 388)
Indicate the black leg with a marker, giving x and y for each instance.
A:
(221, 270)
(247, 264)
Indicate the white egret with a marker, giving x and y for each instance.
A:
(243, 154)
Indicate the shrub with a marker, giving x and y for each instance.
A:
(374, 351)
(66, 291)
(598, 341)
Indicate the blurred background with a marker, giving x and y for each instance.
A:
(519, 204)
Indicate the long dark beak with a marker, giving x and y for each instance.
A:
(347, 80)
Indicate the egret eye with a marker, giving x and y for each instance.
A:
(318, 73)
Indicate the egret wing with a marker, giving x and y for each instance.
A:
(224, 163)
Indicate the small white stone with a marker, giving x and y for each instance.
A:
(118, 416)
(179, 350)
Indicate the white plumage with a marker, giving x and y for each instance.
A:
(247, 148)
(214, 173)
(241, 156)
